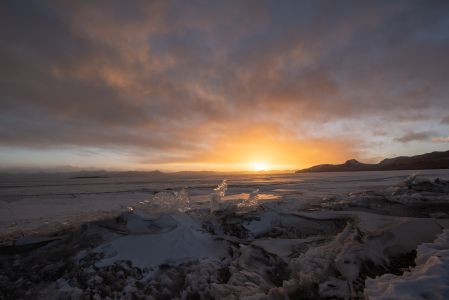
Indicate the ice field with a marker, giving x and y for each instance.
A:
(374, 235)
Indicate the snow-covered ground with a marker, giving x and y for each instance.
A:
(380, 235)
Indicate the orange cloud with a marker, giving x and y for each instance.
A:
(240, 147)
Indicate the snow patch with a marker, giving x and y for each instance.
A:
(179, 238)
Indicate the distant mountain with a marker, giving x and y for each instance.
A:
(433, 160)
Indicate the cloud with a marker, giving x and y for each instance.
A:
(441, 139)
(414, 136)
(445, 120)
(175, 79)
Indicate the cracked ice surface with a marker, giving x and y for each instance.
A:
(378, 235)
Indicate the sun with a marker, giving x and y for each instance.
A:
(259, 166)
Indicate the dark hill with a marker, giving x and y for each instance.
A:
(433, 160)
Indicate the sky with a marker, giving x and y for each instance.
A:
(221, 85)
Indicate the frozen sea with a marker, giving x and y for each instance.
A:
(28, 201)
(133, 235)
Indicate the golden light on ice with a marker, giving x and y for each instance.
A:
(260, 166)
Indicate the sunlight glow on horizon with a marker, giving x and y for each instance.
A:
(260, 166)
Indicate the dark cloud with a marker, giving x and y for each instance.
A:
(171, 75)
(415, 136)
(445, 120)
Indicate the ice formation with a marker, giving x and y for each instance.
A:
(183, 200)
(428, 280)
(416, 189)
(166, 202)
(251, 201)
(217, 195)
